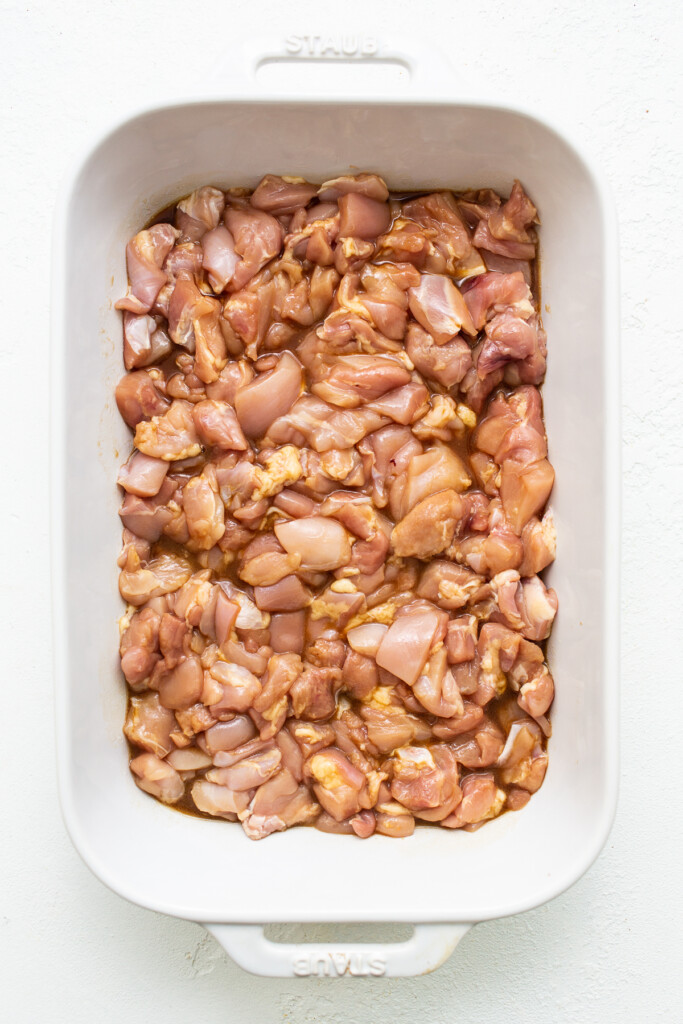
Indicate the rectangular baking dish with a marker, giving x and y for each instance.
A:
(208, 871)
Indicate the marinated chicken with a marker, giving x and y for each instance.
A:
(335, 510)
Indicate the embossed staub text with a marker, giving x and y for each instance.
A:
(337, 965)
(331, 46)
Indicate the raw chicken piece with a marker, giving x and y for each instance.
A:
(354, 379)
(288, 595)
(270, 395)
(539, 543)
(446, 363)
(494, 293)
(370, 185)
(149, 725)
(258, 238)
(282, 195)
(449, 585)
(388, 453)
(163, 575)
(139, 647)
(512, 219)
(265, 561)
(362, 217)
(157, 778)
(512, 434)
(287, 632)
(392, 819)
(144, 342)
(461, 639)
(425, 781)
(524, 490)
(340, 788)
(484, 239)
(438, 468)
(428, 529)
(142, 475)
(182, 687)
(204, 510)
(523, 763)
(283, 669)
(363, 824)
(313, 692)
(405, 647)
(145, 255)
(229, 735)
(169, 436)
(217, 426)
(403, 405)
(436, 688)
(231, 686)
(508, 338)
(199, 212)
(300, 809)
(320, 543)
(219, 257)
(449, 235)
(359, 674)
(147, 518)
(479, 748)
(188, 759)
(217, 800)
(366, 639)
(526, 605)
(138, 398)
(494, 551)
(439, 307)
(481, 800)
(250, 772)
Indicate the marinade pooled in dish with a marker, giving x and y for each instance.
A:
(334, 513)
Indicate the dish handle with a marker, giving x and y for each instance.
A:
(345, 64)
(429, 946)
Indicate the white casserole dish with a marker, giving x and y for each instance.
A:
(209, 871)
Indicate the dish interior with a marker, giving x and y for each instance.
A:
(198, 868)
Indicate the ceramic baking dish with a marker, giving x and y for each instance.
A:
(208, 871)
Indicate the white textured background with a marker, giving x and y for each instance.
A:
(609, 949)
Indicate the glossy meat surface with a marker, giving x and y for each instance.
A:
(335, 511)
